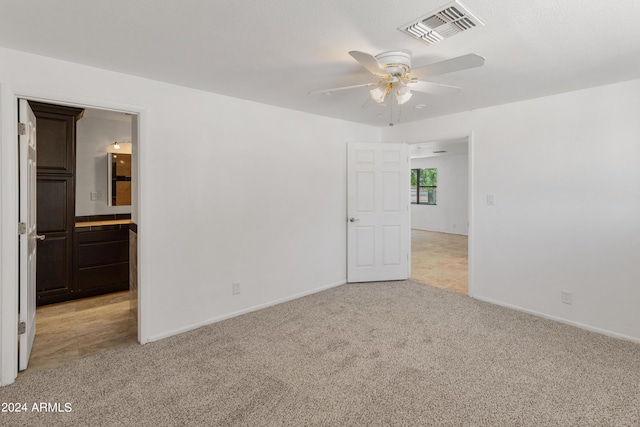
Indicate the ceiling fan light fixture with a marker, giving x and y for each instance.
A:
(403, 94)
(379, 93)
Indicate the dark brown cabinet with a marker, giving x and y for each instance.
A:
(54, 268)
(102, 259)
(56, 137)
(56, 143)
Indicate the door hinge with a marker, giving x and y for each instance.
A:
(22, 129)
(22, 328)
(22, 228)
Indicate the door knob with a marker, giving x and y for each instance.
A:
(40, 236)
(354, 219)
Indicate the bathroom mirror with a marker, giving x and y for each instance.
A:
(119, 179)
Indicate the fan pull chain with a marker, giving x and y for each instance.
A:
(391, 106)
(391, 103)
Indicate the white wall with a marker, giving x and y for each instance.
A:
(451, 214)
(564, 171)
(94, 138)
(230, 191)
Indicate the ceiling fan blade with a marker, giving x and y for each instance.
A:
(370, 62)
(459, 63)
(330, 91)
(433, 88)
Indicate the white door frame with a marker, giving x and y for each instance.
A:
(9, 193)
(471, 161)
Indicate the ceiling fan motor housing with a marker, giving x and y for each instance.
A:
(396, 62)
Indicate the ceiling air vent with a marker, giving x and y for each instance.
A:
(442, 23)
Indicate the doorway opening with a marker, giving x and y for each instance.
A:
(440, 213)
(86, 260)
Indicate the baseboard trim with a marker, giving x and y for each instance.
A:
(561, 320)
(440, 231)
(243, 311)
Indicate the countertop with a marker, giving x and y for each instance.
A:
(99, 223)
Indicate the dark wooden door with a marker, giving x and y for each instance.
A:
(56, 140)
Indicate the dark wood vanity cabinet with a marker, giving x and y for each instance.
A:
(102, 259)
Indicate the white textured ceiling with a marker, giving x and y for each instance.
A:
(276, 51)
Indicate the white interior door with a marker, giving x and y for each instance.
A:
(378, 236)
(28, 236)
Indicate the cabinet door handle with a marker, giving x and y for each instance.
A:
(40, 236)
(354, 219)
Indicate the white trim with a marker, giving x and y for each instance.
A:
(8, 236)
(9, 95)
(244, 311)
(144, 291)
(470, 229)
(561, 320)
(438, 231)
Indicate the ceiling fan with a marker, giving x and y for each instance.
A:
(397, 79)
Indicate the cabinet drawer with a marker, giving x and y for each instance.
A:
(103, 276)
(103, 236)
(93, 254)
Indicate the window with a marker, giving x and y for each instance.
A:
(424, 183)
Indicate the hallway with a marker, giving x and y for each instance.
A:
(440, 260)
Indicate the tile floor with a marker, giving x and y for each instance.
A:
(75, 329)
(440, 259)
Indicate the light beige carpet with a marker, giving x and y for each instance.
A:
(396, 353)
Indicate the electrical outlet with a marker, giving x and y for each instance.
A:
(566, 297)
(95, 195)
(235, 288)
(490, 199)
